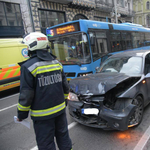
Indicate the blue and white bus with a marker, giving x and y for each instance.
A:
(79, 45)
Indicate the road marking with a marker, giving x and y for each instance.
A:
(72, 125)
(8, 107)
(69, 127)
(8, 97)
(141, 144)
(34, 148)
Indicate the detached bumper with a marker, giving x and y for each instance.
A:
(105, 119)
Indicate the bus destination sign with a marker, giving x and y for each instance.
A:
(63, 30)
(66, 29)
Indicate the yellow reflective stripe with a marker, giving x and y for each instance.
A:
(23, 108)
(43, 68)
(48, 68)
(43, 63)
(46, 112)
(66, 96)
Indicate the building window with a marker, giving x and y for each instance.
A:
(50, 18)
(106, 1)
(11, 23)
(122, 3)
(148, 21)
(79, 16)
(2, 15)
(129, 7)
(110, 1)
(147, 5)
(10, 14)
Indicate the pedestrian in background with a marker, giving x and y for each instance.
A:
(43, 90)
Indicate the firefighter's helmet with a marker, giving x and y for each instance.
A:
(35, 41)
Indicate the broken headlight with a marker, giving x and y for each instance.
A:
(73, 97)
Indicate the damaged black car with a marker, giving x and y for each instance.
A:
(114, 97)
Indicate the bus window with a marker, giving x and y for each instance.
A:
(129, 44)
(115, 39)
(123, 39)
(100, 46)
(113, 46)
(123, 44)
(101, 42)
(147, 39)
(136, 39)
(142, 39)
(94, 49)
(126, 40)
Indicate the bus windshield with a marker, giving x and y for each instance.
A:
(71, 49)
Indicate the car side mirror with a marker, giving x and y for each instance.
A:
(147, 75)
(92, 39)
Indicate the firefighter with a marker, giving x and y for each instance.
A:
(43, 90)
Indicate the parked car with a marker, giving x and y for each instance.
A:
(114, 97)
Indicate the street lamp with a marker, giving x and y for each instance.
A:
(116, 11)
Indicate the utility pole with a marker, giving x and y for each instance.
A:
(116, 11)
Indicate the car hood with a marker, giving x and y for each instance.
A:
(97, 84)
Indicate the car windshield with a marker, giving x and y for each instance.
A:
(127, 65)
(71, 49)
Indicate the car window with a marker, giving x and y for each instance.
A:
(147, 64)
(132, 66)
(104, 58)
(127, 65)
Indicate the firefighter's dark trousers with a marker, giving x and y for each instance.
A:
(46, 130)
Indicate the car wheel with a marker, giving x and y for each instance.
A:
(137, 116)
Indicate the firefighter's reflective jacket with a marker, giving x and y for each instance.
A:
(43, 88)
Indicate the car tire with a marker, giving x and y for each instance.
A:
(137, 116)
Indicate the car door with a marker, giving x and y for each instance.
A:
(147, 74)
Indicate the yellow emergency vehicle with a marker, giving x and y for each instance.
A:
(12, 51)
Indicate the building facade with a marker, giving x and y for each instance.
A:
(123, 10)
(142, 12)
(37, 15)
(47, 13)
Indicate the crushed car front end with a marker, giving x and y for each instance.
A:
(94, 112)
(97, 100)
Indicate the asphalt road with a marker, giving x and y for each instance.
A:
(17, 137)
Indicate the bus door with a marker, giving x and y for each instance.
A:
(99, 47)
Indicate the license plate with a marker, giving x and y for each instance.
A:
(68, 79)
(90, 111)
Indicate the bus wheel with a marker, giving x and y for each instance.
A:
(137, 116)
